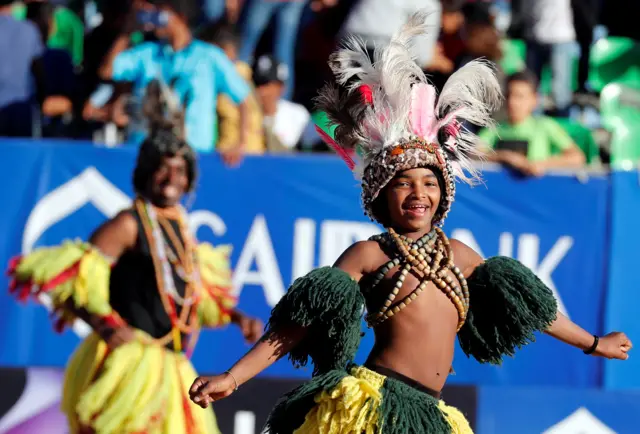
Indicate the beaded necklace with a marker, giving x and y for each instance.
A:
(430, 258)
(184, 261)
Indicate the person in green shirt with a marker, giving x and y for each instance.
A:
(528, 143)
(68, 30)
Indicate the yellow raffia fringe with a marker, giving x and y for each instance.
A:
(89, 289)
(459, 424)
(136, 388)
(215, 271)
(350, 408)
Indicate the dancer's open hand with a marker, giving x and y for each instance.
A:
(615, 345)
(206, 390)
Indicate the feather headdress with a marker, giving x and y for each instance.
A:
(388, 117)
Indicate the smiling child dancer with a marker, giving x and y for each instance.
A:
(420, 289)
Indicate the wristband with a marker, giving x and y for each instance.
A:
(234, 379)
(593, 347)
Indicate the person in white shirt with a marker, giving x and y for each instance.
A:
(284, 121)
(375, 21)
(550, 37)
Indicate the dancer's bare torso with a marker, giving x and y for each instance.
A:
(418, 342)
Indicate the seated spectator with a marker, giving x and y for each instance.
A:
(59, 77)
(284, 121)
(224, 36)
(530, 144)
(21, 51)
(67, 31)
(196, 71)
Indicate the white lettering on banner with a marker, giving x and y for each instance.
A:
(197, 219)
(304, 246)
(259, 248)
(244, 422)
(528, 254)
(336, 237)
(582, 421)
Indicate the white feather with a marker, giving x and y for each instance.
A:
(471, 94)
(353, 61)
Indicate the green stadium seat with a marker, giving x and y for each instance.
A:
(583, 137)
(614, 59)
(620, 114)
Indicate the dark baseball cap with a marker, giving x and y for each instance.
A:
(267, 69)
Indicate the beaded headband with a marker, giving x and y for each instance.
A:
(389, 119)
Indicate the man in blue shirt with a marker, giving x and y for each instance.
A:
(21, 52)
(196, 71)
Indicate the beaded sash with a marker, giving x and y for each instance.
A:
(429, 258)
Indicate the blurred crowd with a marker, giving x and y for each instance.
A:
(239, 76)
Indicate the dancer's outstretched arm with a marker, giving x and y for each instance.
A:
(271, 347)
(275, 343)
(614, 345)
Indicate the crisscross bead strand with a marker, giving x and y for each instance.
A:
(430, 257)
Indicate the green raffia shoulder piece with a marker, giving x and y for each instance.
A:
(290, 410)
(508, 304)
(328, 302)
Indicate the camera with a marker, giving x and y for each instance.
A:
(153, 18)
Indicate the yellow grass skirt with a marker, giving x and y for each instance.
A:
(137, 388)
(362, 401)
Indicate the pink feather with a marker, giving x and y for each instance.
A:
(422, 114)
(342, 152)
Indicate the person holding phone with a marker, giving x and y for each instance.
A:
(198, 72)
(529, 144)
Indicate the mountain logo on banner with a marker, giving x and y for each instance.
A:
(582, 421)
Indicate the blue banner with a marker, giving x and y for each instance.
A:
(553, 410)
(623, 296)
(286, 215)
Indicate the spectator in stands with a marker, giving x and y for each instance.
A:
(284, 121)
(530, 144)
(21, 51)
(481, 37)
(67, 30)
(59, 77)
(585, 19)
(375, 21)
(224, 36)
(215, 10)
(548, 31)
(287, 14)
(450, 42)
(116, 15)
(197, 72)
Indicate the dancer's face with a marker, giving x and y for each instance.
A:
(412, 198)
(170, 182)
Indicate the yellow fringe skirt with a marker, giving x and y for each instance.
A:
(366, 402)
(137, 388)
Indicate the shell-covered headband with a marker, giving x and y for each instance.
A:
(389, 119)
